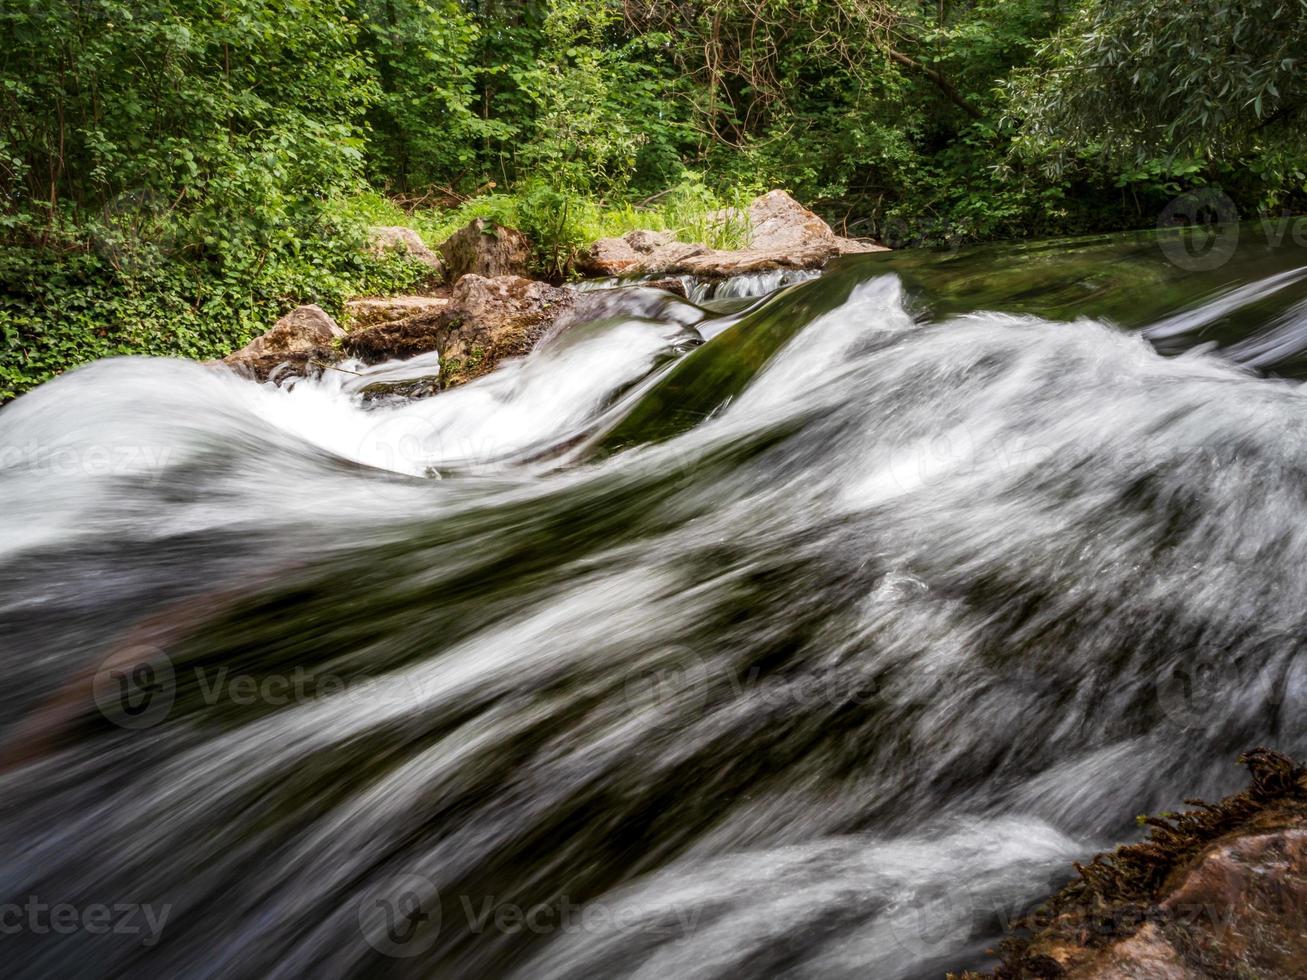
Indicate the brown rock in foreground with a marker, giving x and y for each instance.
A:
(486, 321)
(484, 248)
(306, 334)
(783, 235)
(1220, 891)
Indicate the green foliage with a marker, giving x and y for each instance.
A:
(62, 308)
(1171, 81)
(560, 223)
(175, 173)
(424, 121)
(473, 92)
(170, 173)
(184, 111)
(696, 213)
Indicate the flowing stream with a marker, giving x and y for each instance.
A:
(808, 634)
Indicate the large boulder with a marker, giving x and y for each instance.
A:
(486, 321)
(483, 248)
(304, 338)
(368, 312)
(383, 239)
(609, 257)
(778, 223)
(783, 235)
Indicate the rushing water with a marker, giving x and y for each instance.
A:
(817, 649)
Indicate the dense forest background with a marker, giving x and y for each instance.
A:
(175, 173)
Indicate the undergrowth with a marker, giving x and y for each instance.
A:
(560, 224)
(98, 288)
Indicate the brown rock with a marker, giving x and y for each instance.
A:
(1147, 955)
(1216, 892)
(396, 340)
(396, 238)
(609, 257)
(487, 320)
(483, 248)
(856, 246)
(365, 312)
(1244, 907)
(305, 334)
(777, 222)
(646, 242)
(1241, 910)
(714, 264)
(783, 235)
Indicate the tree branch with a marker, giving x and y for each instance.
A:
(944, 85)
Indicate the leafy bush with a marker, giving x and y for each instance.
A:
(1172, 79)
(175, 173)
(560, 223)
(67, 305)
(199, 112)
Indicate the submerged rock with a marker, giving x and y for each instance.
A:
(484, 248)
(1220, 891)
(486, 321)
(397, 238)
(783, 235)
(406, 389)
(304, 335)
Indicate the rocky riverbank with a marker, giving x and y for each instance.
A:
(483, 307)
(1217, 891)
(782, 235)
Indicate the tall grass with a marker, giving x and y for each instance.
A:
(561, 224)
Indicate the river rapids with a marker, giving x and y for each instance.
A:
(809, 629)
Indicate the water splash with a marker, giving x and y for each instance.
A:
(817, 648)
